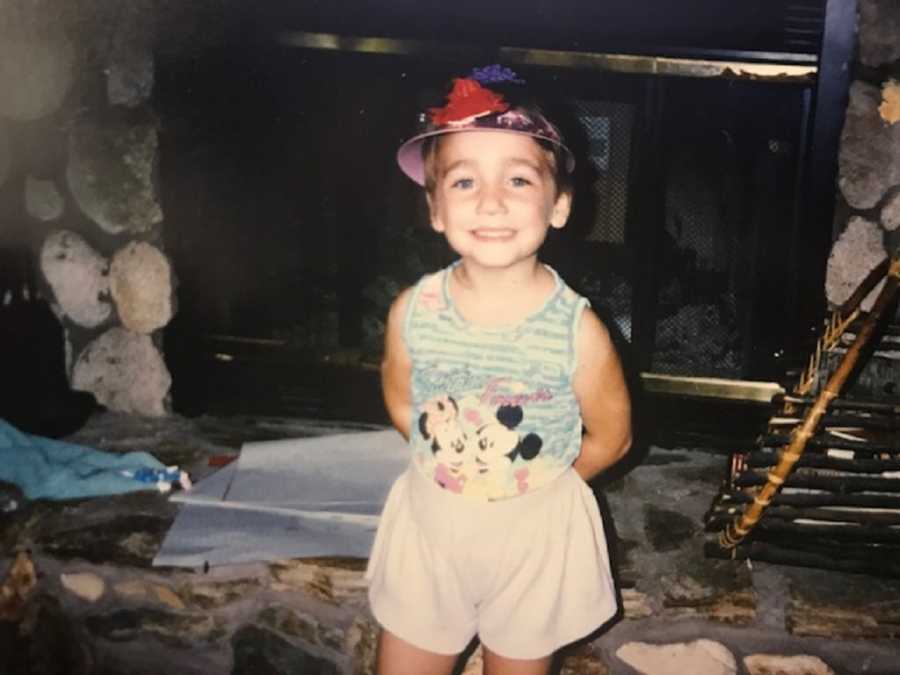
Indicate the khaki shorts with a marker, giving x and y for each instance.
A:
(528, 575)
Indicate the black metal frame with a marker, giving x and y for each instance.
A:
(824, 121)
(812, 181)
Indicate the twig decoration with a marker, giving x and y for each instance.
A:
(741, 527)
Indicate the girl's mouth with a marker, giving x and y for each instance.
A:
(493, 234)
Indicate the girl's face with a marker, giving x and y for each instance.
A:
(495, 197)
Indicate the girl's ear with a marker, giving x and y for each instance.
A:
(436, 224)
(559, 215)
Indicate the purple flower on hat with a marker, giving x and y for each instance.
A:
(495, 74)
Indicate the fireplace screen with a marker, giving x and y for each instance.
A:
(289, 222)
(697, 328)
(698, 282)
(608, 128)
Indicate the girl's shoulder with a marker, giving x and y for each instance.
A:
(565, 299)
(419, 303)
(428, 293)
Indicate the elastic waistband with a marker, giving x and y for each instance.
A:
(425, 493)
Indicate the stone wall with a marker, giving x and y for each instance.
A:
(868, 220)
(867, 223)
(79, 146)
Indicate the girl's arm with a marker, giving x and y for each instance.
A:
(600, 388)
(396, 367)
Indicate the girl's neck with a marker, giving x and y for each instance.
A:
(499, 297)
(492, 281)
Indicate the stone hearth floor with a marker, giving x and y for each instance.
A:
(100, 607)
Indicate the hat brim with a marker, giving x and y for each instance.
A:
(412, 163)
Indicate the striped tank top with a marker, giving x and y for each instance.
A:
(494, 412)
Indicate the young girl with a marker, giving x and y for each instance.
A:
(511, 396)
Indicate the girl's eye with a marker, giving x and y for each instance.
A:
(520, 181)
(462, 183)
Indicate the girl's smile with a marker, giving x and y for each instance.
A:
(493, 234)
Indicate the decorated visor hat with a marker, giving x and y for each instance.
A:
(472, 105)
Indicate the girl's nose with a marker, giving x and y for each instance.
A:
(490, 200)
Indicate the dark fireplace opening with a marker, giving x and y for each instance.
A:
(291, 229)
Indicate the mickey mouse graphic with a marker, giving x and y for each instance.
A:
(474, 448)
(498, 444)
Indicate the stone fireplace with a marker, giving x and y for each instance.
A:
(867, 223)
(179, 183)
(161, 194)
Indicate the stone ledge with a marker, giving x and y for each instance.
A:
(270, 617)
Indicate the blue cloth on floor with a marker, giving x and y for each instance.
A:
(44, 468)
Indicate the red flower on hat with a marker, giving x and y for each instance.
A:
(466, 101)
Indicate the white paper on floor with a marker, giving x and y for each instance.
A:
(288, 499)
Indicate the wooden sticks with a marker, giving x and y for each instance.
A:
(741, 526)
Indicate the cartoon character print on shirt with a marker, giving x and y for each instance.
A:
(498, 444)
(439, 423)
(474, 446)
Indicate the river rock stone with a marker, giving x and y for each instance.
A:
(36, 73)
(137, 590)
(111, 533)
(584, 661)
(129, 70)
(857, 251)
(714, 589)
(362, 641)
(129, 78)
(85, 585)
(291, 623)
(257, 650)
(43, 200)
(635, 604)
(182, 630)
(332, 637)
(125, 372)
(140, 281)
(667, 530)
(869, 162)
(890, 102)
(879, 26)
(133, 589)
(844, 615)
(890, 213)
(110, 173)
(776, 664)
(700, 656)
(77, 275)
(335, 581)
(168, 597)
(213, 595)
(17, 587)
